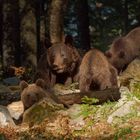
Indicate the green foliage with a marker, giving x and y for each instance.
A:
(2, 137)
(136, 90)
(106, 109)
(101, 111)
(89, 101)
(87, 110)
(122, 132)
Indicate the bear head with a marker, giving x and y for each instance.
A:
(61, 56)
(117, 53)
(32, 93)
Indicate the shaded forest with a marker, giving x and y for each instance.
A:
(69, 69)
(27, 27)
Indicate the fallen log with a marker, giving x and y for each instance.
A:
(102, 96)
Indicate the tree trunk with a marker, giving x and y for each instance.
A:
(28, 34)
(38, 19)
(41, 16)
(11, 42)
(56, 20)
(17, 34)
(125, 16)
(1, 25)
(102, 96)
(83, 23)
(1, 36)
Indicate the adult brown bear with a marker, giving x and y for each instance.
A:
(59, 64)
(124, 49)
(96, 73)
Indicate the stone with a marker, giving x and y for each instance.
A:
(5, 117)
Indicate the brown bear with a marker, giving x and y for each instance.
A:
(59, 64)
(96, 73)
(33, 93)
(124, 49)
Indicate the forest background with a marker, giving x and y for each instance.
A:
(27, 26)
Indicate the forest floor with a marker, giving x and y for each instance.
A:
(110, 121)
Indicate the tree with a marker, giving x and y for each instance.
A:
(1, 36)
(56, 20)
(28, 33)
(83, 23)
(42, 20)
(1, 32)
(11, 37)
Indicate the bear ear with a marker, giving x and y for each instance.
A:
(121, 54)
(40, 83)
(69, 40)
(23, 85)
(108, 54)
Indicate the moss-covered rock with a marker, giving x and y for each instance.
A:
(131, 73)
(39, 111)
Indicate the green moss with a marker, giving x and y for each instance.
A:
(122, 132)
(136, 90)
(39, 112)
(87, 110)
(89, 101)
(2, 137)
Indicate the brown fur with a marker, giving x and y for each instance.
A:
(59, 64)
(96, 72)
(124, 49)
(33, 93)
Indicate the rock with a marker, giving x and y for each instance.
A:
(76, 119)
(7, 96)
(125, 105)
(44, 109)
(16, 109)
(4, 89)
(132, 72)
(5, 117)
(122, 111)
(11, 81)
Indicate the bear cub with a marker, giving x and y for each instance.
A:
(33, 93)
(96, 73)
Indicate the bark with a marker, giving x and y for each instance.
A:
(1, 36)
(10, 33)
(41, 15)
(1, 32)
(83, 23)
(56, 20)
(17, 34)
(28, 34)
(38, 17)
(102, 96)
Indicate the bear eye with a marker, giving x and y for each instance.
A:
(63, 55)
(121, 54)
(28, 95)
(37, 94)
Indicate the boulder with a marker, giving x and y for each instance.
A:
(5, 117)
(132, 72)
